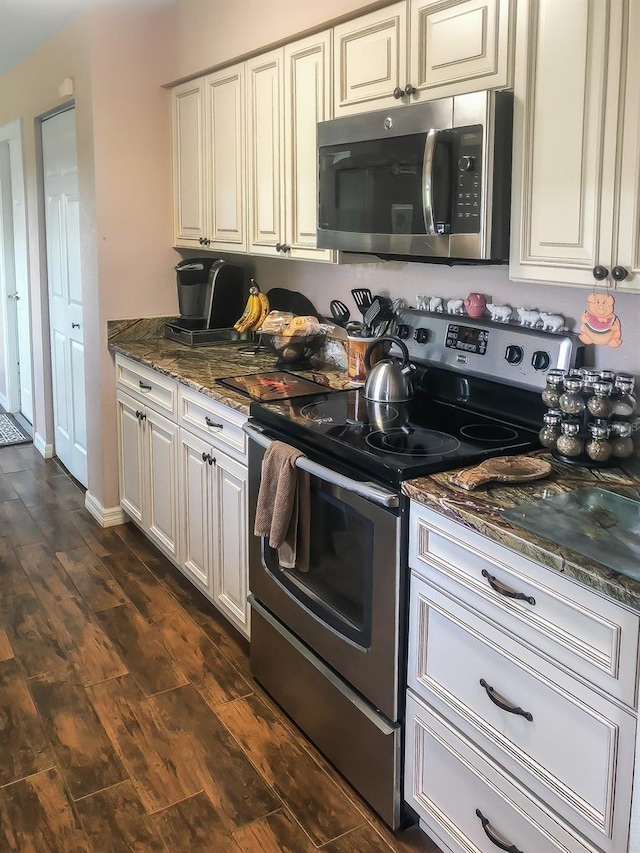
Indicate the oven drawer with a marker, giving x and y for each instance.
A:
(588, 634)
(571, 747)
(148, 386)
(453, 787)
(213, 422)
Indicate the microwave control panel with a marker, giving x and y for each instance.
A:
(467, 179)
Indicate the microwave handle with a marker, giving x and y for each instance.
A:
(368, 490)
(427, 181)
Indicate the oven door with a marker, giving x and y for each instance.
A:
(346, 607)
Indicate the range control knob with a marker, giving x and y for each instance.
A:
(422, 336)
(466, 163)
(540, 360)
(403, 331)
(513, 354)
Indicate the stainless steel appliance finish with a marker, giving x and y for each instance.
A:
(430, 180)
(389, 380)
(329, 644)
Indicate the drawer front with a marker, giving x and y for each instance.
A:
(571, 747)
(589, 634)
(147, 385)
(453, 787)
(213, 422)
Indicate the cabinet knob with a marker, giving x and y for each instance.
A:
(600, 273)
(398, 93)
(211, 460)
(409, 89)
(279, 247)
(285, 248)
(619, 273)
(138, 414)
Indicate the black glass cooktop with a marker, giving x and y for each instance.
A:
(392, 442)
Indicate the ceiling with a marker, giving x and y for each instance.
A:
(26, 24)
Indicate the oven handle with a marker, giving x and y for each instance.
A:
(370, 491)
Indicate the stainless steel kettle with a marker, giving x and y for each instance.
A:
(390, 380)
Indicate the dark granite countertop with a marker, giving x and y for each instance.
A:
(481, 509)
(200, 367)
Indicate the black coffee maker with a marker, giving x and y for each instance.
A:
(211, 297)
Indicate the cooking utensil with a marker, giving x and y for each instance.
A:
(339, 312)
(389, 381)
(505, 469)
(363, 298)
(378, 312)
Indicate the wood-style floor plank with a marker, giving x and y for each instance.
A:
(151, 748)
(139, 646)
(55, 528)
(7, 492)
(17, 525)
(277, 833)
(31, 490)
(92, 580)
(193, 825)
(142, 589)
(13, 580)
(83, 750)
(237, 792)
(37, 817)
(48, 578)
(315, 800)
(32, 638)
(115, 822)
(24, 747)
(362, 838)
(102, 540)
(11, 460)
(215, 678)
(6, 652)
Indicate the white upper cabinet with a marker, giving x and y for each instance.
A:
(189, 164)
(421, 49)
(209, 161)
(576, 176)
(288, 92)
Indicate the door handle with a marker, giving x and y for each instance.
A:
(15, 296)
(75, 325)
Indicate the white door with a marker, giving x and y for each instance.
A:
(16, 391)
(65, 291)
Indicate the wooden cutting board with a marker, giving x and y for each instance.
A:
(504, 469)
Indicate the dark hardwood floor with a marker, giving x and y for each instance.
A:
(129, 721)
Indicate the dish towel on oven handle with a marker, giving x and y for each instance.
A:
(283, 506)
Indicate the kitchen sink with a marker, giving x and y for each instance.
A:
(596, 523)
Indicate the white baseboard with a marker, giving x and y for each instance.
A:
(105, 516)
(42, 447)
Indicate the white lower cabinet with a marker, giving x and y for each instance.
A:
(213, 503)
(148, 458)
(183, 480)
(538, 745)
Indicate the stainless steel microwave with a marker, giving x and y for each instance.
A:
(431, 180)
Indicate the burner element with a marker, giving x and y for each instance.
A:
(350, 410)
(489, 432)
(413, 442)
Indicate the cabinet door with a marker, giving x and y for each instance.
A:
(225, 172)
(265, 152)
(130, 456)
(189, 164)
(307, 75)
(370, 60)
(195, 510)
(565, 126)
(161, 445)
(460, 46)
(628, 248)
(230, 535)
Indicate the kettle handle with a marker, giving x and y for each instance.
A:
(374, 344)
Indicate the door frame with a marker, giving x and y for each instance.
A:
(11, 136)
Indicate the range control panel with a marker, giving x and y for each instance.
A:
(504, 352)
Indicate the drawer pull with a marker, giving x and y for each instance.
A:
(144, 386)
(512, 709)
(510, 848)
(211, 423)
(501, 589)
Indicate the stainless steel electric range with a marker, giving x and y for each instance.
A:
(328, 643)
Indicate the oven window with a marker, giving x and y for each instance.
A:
(337, 587)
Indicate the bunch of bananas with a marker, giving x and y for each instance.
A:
(255, 311)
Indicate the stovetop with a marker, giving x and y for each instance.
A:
(392, 442)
